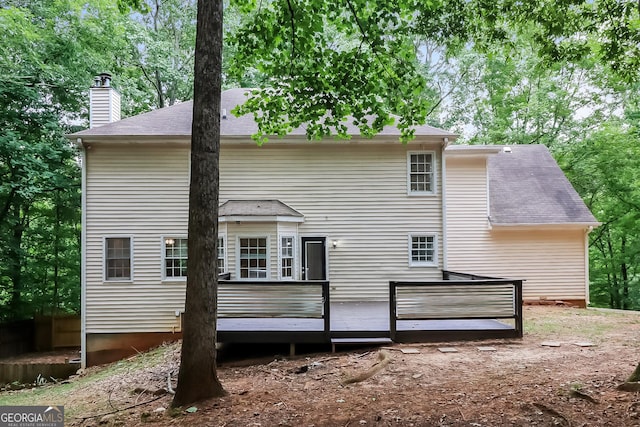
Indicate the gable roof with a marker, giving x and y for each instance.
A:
(175, 121)
(527, 187)
(258, 211)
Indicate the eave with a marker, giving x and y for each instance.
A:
(544, 226)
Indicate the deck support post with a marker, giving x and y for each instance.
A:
(292, 349)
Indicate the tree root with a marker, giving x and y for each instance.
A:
(581, 395)
(83, 419)
(635, 376)
(633, 387)
(551, 411)
(384, 358)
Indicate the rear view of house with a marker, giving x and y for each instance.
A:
(304, 223)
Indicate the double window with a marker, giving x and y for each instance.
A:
(422, 250)
(118, 257)
(253, 258)
(421, 172)
(175, 257)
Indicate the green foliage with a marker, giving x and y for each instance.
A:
(162, 41)
(562, 30)
(49, 48)
(327, 61)
(604, 169)
(554, 72)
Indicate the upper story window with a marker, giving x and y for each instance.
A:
(222, 255)
(117, 259)
(287, 252)
(422, 250)
(175, 258)
(253, 258)
(421, 172)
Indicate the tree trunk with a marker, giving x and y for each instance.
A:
(615, 289)
(624, 274)
(16, 261)
(635, 376)
(198, 378)
(55, 303)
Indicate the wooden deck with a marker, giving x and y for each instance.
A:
(458, 307)
(357, 320)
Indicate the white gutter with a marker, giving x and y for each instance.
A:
(83, 258)
(543, 226)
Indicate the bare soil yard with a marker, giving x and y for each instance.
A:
(519, 383)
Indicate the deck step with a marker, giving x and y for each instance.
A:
(356, 341)
(377, 340)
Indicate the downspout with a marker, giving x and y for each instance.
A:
(487, 181)
(83, 256)
(587, 231)
(444, 205)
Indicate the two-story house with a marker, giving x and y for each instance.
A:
(357, 213)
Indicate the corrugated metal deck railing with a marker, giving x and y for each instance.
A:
(462, 307)
(273, 311)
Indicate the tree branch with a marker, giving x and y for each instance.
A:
(158, 90)
(122, 409)
(443, 97)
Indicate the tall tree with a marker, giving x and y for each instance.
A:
(614, 198)
(198, 378)
(49, 48)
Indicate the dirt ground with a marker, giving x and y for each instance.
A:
(513, 383)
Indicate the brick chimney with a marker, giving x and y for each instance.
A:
(104, 102)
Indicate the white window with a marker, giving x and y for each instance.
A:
(222, 255)
(421, 172)
(175, 258)
(117, 258)
(422, 250)
(253, 256)
(287, 251)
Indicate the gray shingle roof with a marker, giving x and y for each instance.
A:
(269, 208)
(176, 121)
(527, 186)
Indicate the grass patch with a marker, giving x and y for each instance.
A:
(562, 322)
(61, 394)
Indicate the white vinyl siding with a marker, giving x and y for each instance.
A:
(551, 261)
(105, 106)
(175, 258)
(421, 172)
(352, 192)
(140, 191)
